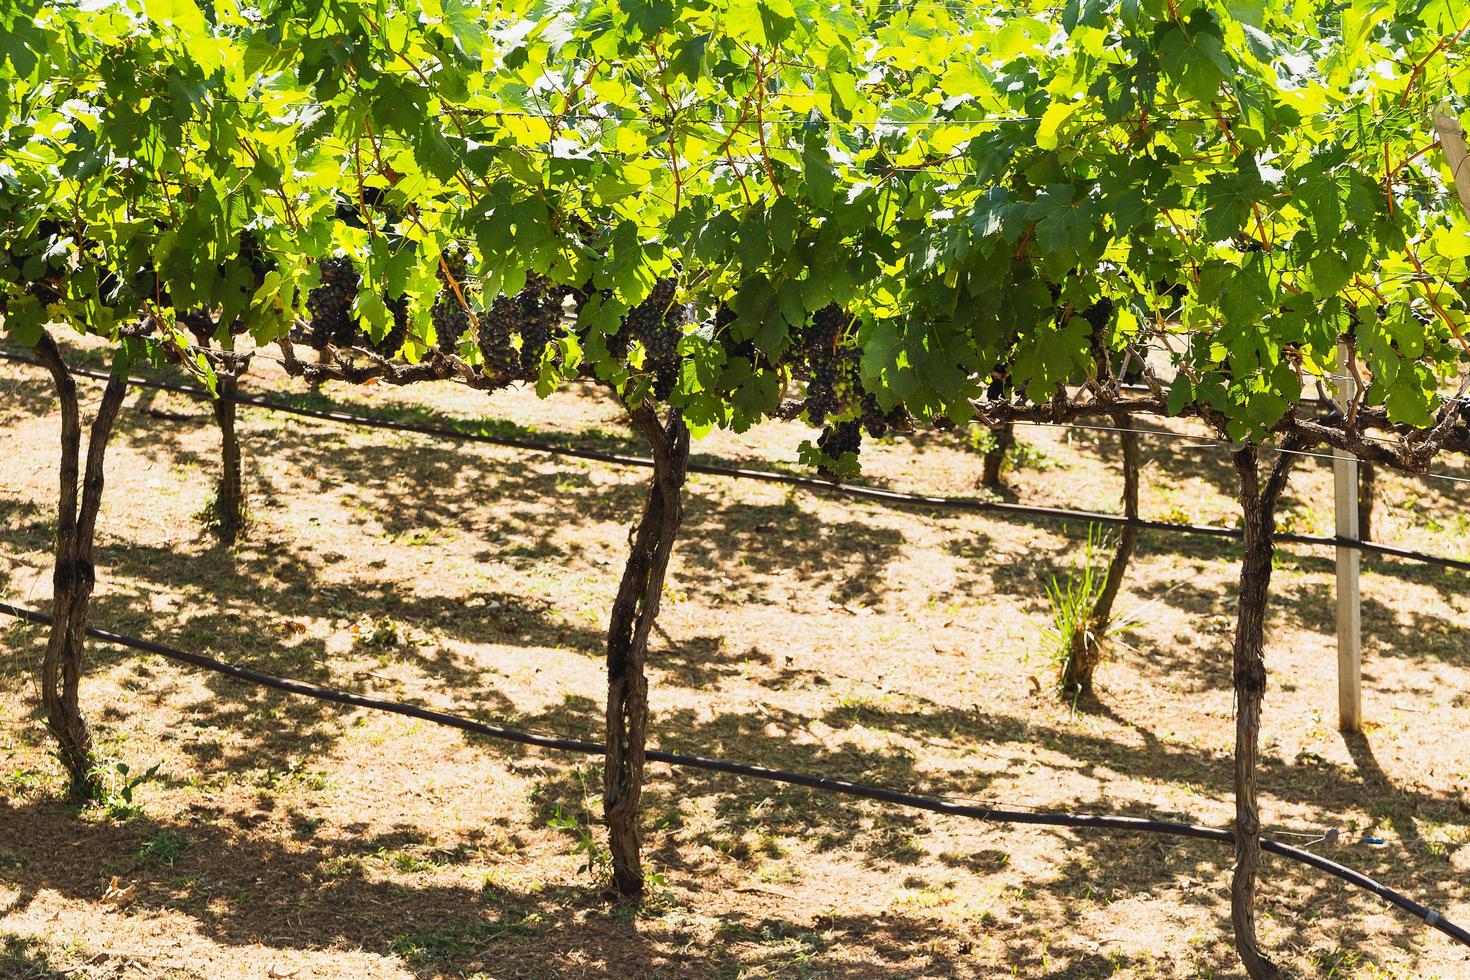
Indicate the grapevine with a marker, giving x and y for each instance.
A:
(950, 189)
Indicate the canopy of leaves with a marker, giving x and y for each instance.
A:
(1246, 182)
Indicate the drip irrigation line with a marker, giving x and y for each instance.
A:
(856, 491)
(866, 791)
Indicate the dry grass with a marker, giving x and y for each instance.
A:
(289, 837)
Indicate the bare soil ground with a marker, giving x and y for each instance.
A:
(283, 837)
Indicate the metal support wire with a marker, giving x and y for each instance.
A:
(856, 491)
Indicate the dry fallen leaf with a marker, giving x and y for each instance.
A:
(118, 895)
(275, 974)
(295, 626)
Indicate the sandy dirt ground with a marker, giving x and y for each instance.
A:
(280, 837)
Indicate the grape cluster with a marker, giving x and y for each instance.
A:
(654, 323)
(254, 257)
(999, 384)
(1099, 314)
(833, 366)
(205, 326)
(199, 323)
(657, 323)
(330, 304)
(451, 318)
(724, 316)
(397, 334)
(494, 336)
(538, 309)
(838, 439)
(876, 422)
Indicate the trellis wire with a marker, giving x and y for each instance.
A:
(889, 497)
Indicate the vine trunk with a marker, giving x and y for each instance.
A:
(995, 456)
(229, 495)
(633, 615)
(74, 575)
(1367, 481)
(1258, 510)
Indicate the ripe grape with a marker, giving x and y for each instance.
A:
(450, 317)
(330, 304)
(1099, 314)
(656, 323)
(494, 336)
(833, 365)
(397, 334)
(254, 257)
(539, 310)
(877, 422)
(199, 323)
(838, 439)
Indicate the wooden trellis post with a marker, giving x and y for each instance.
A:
(1452, 144)
(1451, 137)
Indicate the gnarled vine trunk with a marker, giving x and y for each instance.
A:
(1258, 512)
(995, 456)
(633, 615)
(229, 495)
(1088, 643)
(1367, 480)
(74, 575)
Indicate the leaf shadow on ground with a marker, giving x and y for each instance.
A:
(231, 620)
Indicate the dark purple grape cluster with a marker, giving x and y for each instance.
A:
(1099, 314)
(658, 324)
(878, 423)
(33, 261)
(450, 317)
(254, 257)
(724, 316)
(205, 326)
(833, 365)
(494, 335)
(838, 439)
(397, 334)
(538, 309)
(330, 304)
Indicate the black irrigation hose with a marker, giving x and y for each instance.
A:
(891, 497)
(1076, 821)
